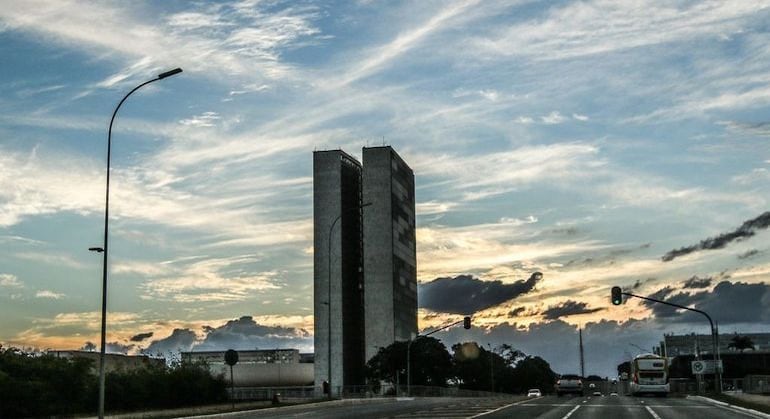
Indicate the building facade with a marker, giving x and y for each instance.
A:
(338, 269)
(364, 260)
(390, 259)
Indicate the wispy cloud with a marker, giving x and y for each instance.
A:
(213, 279)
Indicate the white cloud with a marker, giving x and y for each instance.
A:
(381, 56)
(505, 171)
(49, 294)
(212, 279)
(524, 120)
(206, 119)
(553, 118)
(601, 27)
(10, 281)
(580, 117)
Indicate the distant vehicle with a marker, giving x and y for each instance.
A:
(649, 375)
(534, 392)
(569, 383)
(613, 394)
(597, 393)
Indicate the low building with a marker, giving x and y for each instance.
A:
(113, 362)
(678, 345)
(259, 368)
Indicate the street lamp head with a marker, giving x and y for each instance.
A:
(95, 249)
(169, 73)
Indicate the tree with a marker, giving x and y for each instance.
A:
(431, 363)
(533, 372)
(624, 367)
(740, 343)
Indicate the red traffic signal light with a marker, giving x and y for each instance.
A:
(467, 322)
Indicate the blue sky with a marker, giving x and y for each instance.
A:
(584, 140)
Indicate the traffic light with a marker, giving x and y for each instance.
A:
(467, 322)
(617, 296)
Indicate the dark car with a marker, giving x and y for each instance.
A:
(569, 383)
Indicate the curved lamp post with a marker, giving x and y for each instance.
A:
(161, 76)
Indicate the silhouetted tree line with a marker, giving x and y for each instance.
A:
(469, 366)
(34, 385)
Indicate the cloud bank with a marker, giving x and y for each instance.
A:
(474, 294)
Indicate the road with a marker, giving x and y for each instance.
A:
(549, 407)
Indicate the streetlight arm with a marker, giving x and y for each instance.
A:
(674, 305)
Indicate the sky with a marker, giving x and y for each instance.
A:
(597, 143)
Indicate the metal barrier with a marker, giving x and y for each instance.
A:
(302, 393)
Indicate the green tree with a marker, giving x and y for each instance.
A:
(533, 372)
(431, 363)
(741, 343)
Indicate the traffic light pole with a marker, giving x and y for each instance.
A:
(714, 336)
(465, 320)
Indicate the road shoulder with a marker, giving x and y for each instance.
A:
(731, 406)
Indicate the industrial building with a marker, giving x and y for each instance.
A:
(259, 368)
(365, 268)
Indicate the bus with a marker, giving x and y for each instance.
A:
(649, 375)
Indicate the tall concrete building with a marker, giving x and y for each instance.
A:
(390, 260)
(365, 263)
(338, 269)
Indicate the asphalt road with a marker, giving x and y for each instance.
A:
(549, 407)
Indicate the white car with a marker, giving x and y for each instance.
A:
(534, 392)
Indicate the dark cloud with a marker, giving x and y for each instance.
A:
(119, 348)
(750, 253)
(568, 308)
(696, 282)
(180, 340)
(240, 334)
(140, 337)
(464, 294)
(516, 312)
(638, 284)
(728, 302)
(746, 230)
(245, 333)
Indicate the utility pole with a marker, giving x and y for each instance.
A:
(582, 360)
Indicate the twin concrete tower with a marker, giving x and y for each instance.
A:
(365, 267)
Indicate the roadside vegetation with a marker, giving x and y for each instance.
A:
(36, 384)
(469, 367)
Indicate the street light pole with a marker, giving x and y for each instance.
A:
(329, 300)
(106, 236)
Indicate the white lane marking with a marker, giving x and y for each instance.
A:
(573, 411)
(500, 408)
(652, 412)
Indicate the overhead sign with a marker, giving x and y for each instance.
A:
(706, 366)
